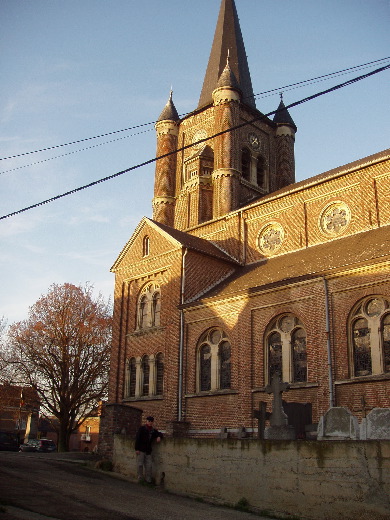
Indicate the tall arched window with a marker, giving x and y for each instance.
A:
(146, 246)
(260, 171)
(274, 355)
(159, 374)
(369, 336)
(145, 375)
(132, 371)
(224, 365)
(214, 361)
(149, 307)
(246, 164)
(286, 349)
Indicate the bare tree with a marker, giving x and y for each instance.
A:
(62, 350)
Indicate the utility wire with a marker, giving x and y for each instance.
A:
(75, 151)
(150, 161)
(261, 94)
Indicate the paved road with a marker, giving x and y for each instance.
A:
(39, 486)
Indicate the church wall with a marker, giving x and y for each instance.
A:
(305, 214)
(203, 272)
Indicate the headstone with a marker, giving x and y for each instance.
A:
(376, 425)
(223, 434)
(242, 434)
(338, 423)
(279, 429)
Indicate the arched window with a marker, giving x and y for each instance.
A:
(286, 349)
(156, 303)
(159, 374)
(385, 336)
(145, 375)
(246, 164)
(224, 365)
(132, 371)
(274, 355)
(369, 337)
(361, 347)
(205, 368)
(146, 246)
(298, 346)
(214, 361)
(149, 307)
(260, 171)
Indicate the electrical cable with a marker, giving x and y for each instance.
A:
(150, 161)
(261, 94)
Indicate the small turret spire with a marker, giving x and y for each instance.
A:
(282, 116)
(169, 112)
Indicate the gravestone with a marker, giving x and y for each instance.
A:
(338, 423)
(376, 425)
(279, 429)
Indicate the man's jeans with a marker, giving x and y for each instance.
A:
(144, 461)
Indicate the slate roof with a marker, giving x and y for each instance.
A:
(227, 37)
(194, 243)
(169, 112)
(349, 252)
(282, 116)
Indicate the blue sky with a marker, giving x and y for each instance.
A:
(76, 69)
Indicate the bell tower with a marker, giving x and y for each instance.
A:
(229, 153)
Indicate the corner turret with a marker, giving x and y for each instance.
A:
(167, 128)
(285, 139)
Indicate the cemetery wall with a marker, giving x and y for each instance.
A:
(322, 480)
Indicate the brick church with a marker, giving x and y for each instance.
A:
(243, 273)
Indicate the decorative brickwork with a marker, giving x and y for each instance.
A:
(229, 253)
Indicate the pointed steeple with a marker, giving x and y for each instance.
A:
(169, 112)
(227, 37)
(282, 116)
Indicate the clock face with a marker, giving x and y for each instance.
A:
(254, 140)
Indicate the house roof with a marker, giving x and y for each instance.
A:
(350, 252)
(227, 37)
(200, 245)
(180, 239)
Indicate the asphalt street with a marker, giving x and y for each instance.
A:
(44, 486)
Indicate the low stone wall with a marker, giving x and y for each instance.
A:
(341, 480)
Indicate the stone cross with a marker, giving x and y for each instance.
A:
(278, 417)
(261, 415)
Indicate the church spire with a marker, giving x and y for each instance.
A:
(227, 39)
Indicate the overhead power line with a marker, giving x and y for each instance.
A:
(266, 92)
(150, 161)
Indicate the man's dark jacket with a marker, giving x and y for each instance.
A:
(144, 439)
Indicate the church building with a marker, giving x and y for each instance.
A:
(243, 273)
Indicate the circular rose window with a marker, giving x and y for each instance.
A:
(271, 238)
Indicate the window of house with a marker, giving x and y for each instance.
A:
(159, 374)
(246, 164)
(286, 349)
(145, 376)
(146, 246)
(214, 361)
(260, 171)
(369, 337)
(149, 307)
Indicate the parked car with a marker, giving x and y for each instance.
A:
(42, 445)
(8, 442)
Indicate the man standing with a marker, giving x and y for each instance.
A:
(143, 448)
